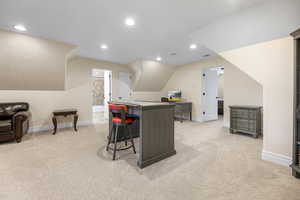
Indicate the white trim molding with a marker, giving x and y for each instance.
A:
(61, 125)
(276, 158)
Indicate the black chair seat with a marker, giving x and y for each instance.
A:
(5, 126)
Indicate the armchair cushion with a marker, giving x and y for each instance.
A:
(5, 126)
(6, 113)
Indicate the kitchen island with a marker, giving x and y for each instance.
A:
(155, 129)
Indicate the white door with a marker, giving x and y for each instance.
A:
(124, 83)
(210, 94)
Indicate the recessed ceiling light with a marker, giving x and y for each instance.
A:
(193, 46)
(104, 46)
(20, 27)
(158, 58)
(129, 21)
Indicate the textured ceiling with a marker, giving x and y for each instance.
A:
(162, 26)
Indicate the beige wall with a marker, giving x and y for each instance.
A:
(77, 95)
(147, 96)
(271, 64)
(188, 79)
(221, 86)
(150, 76)
(239, 89)
(28, 63)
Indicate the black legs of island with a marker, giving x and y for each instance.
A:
(155, 129)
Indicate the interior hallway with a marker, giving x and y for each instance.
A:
(210, 164)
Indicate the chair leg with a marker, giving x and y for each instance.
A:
(115, 142)
(131, 139)
(109, 137)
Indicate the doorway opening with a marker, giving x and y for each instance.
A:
(213, 93)
(101, 91)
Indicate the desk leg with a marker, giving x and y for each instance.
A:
(55, 124)
(75, 122)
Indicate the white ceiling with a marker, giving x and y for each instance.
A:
(162, 26)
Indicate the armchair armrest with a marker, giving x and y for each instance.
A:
(21, 116)
(21, 124)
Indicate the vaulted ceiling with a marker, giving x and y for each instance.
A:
(162, 26)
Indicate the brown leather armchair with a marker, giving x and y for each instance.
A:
(14, 121)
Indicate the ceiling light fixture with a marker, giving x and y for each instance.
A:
(158, 58)
(104, 46)
(193, 46)
(129, 21)
(20, 27)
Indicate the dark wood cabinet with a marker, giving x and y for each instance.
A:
(246, 119)
(296, 144)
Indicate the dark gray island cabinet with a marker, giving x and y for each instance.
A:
(155, 129)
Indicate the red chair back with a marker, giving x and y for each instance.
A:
(117, 108)
(118, 111)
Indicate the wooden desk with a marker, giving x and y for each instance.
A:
(65, 113)
(181, 109)
(155, 128)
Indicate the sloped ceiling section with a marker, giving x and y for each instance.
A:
(150, 75)
(30, 63)
(264, 22)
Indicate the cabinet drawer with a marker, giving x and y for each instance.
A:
(240, 113)
(252, 126)
(242, 124)
(252, 114)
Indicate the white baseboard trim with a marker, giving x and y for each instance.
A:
(276, 158)
(61, 125)
(197, 119)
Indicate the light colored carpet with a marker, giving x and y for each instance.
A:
(210, 164)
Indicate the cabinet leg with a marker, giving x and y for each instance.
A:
(75, 122)
(54, 124)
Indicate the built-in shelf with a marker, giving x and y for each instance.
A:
(296, 168)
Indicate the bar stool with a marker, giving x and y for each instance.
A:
(120, 119)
